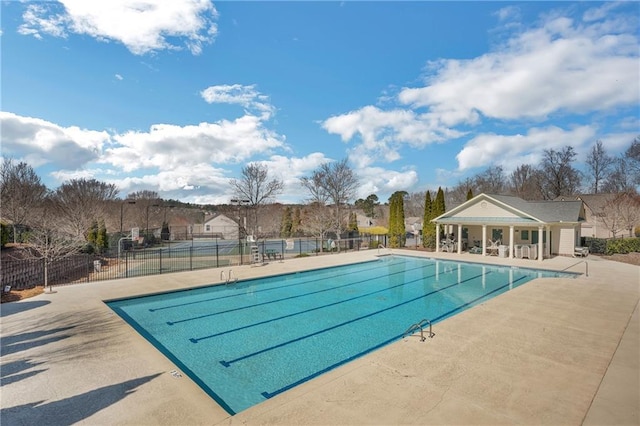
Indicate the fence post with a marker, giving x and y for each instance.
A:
(191, 256)
(217, 259)
(126, 264)
(160, 251)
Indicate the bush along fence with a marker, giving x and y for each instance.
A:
(611, 246)
(175, 256)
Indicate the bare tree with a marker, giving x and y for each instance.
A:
(558, 176)
(598, 165)
(628, 207)
(21, 192)
(523, 182)
(632, 156)
(620, 179)
(255, 187)
(317, 220)
(414, 204)
(491, 181)
(80, 202)
(47, 240)
(458, 194)
(147, 205)
(335, 183)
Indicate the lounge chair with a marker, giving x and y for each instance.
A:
(581, 251)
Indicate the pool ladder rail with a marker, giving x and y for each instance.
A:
(228, 277)
(420, 326)
(387, 251)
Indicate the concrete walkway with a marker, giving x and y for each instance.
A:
(553, 351)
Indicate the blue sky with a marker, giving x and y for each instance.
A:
(176, 96)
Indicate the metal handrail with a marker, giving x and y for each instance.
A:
(420, 326)
(586, 264)
(230, 277)
(381, 246)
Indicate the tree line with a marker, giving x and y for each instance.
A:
(83, 210)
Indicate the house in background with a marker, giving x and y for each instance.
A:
(218, 226)
(545, 227)
(597, 207)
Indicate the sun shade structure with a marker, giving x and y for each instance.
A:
(545, 228)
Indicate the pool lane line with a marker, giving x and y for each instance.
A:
(233, 330)
(267, 289)
(268, 395)
(240, 308)
(170, 355)
(342, 324)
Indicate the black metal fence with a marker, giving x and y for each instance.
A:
(174, 256)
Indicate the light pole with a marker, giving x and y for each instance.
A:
(237, 202)
(146, 230)
(122, 211)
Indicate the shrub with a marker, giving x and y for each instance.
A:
(596, 245)
(622, 246)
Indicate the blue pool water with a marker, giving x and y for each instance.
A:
(250, 341)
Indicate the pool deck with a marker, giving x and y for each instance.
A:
(553, 351)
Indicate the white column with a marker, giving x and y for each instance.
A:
(459, 239)
(437, 237)
(511, 242)
(484, 240)
(541, 244)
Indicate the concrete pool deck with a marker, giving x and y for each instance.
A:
(553, 351)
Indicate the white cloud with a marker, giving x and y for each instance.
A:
(245, 96)
(561, 67)
(168, 156)
(119, 77)
(170, 146)
(384, 182)
(40, 142)
(508, 13)
(558, 72)
(143, 26)
(383, 132)
(510, 151)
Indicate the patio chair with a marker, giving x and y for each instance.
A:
(492, 248)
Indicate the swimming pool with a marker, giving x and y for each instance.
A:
(248, 342)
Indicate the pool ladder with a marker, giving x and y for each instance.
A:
(227, 278)
(420, 326)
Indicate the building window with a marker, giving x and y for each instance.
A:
(496, 234)
(207, 228)
(524, 235)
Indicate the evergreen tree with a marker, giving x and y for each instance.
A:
(297, 222)
(428, 228)
(102, 240)
(439, 207)
(92, 235)
(469, 194)
(287, 223)
(396, 219)
(165, 232)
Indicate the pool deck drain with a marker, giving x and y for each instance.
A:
(554, 351)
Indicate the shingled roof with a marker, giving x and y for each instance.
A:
(531, 211)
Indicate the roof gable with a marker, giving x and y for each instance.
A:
(485, 208)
